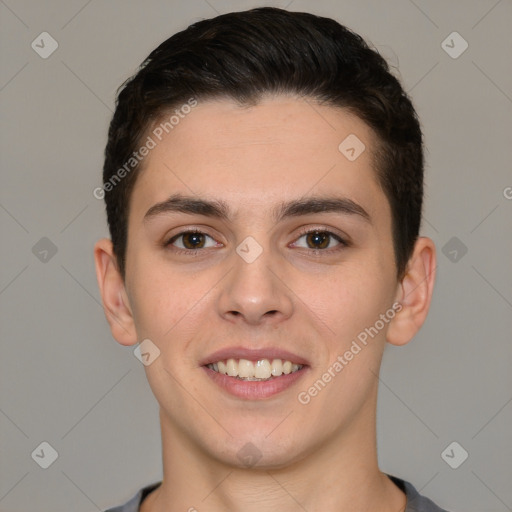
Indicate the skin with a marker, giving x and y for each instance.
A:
(321, 455)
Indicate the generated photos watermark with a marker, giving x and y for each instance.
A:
(358, 344)
(151, 142)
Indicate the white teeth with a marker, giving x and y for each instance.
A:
(262, 369)
(245, 368)
(277, 367)
(231, 368)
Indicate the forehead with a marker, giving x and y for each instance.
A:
(281, 149)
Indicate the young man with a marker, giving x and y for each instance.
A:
(263, 180)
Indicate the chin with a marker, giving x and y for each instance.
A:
(255, 449)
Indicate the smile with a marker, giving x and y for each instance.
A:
(254, 374)
(260, 370)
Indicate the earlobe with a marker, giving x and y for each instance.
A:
(113, 294)
(414, 293)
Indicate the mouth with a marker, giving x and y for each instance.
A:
(255, 371)
(254, 374)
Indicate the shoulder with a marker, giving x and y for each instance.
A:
(415, 501)
(133, 505)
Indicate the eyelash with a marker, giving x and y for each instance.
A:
(315, 252)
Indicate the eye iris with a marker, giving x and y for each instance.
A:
(319, 239)
(193, 240)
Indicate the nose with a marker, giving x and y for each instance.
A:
(255, 292)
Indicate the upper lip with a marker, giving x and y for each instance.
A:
(253, 355)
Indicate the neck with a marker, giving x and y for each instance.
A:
(342, 474)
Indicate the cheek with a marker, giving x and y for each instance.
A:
(160, 298)
(350, 303)
(173, 308)
(352, 300)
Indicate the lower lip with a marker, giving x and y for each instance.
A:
(251, 389)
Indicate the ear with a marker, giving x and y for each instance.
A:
(113, 294)
(414, 293)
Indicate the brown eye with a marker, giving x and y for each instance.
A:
(321, 239)
(318, 240)
(191, 240)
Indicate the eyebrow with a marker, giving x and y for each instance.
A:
(219, 209)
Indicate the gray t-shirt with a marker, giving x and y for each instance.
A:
(415, 502)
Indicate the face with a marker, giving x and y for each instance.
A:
(258, 254)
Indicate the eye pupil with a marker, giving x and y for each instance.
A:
(319, 239)
(193, 240)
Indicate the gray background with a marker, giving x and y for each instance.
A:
(65, 381)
